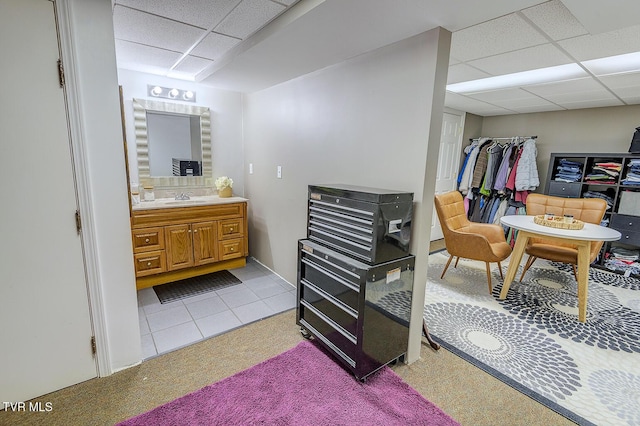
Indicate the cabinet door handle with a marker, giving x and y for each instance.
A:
(147, 240)
(231, 249)
(195, 230)
(630, 223)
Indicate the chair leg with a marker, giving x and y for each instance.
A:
(575, 273)
(457, 260)
(489, 276)
(446, 266)
(500, 269)
(527, 265)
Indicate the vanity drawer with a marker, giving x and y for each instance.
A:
(149, 263)
(565, 189)
(230, 249)
(230, 228)
(148, 239)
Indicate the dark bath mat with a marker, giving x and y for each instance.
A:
(189, 287)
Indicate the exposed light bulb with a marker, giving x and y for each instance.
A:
(156, 91)
(188, 95)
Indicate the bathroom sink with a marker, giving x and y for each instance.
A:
(186, 202)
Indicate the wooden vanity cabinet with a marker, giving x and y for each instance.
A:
(176, 243)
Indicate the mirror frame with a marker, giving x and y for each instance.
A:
(140, 108)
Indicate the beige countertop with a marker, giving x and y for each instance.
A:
(167, 203)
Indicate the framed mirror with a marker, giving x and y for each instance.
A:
(168, 134)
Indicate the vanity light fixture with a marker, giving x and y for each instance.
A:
(171, 93)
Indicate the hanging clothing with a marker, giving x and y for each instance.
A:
(495, 158)
(481, 166)
(503, 169)
(527, 171)
(469, 166)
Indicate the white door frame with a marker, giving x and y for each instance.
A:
(435, 226)
(77, 136)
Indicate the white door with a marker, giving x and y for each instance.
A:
(448, 161)
(45, 323)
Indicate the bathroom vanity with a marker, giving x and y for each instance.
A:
(178, 239)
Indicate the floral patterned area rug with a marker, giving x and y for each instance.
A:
(588, 372)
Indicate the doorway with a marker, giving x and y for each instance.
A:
(47, 331)
(448, 160)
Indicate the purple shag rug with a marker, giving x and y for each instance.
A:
(302, 386)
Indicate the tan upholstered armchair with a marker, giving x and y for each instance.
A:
(590, 210)
(470, 240)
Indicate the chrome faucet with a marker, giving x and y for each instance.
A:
(182, 196)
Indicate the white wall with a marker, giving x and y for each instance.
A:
(226, 122)
(101, 132)
(367, 121)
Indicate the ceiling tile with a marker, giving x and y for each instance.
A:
(613, 43)
(249, 17)
(525, 109)
(151, 30)
(516, 100)
(474, 106)
(600, 16)
(501, 35)
(541, 56)
(214, 46)
(569, 91)
(202, 13)
(192, 65)
(463, 72)
(568, 86)
(137, 57)
(508, 95)
(555, 20)
(595, 103)
(626, 86)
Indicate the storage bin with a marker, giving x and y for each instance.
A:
(629, 203)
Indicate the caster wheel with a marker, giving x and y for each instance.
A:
(305, 334)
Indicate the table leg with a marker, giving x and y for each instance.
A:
(516, 257)
(583, 279)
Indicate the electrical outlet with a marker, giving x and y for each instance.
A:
(279, 172)
(250, 168)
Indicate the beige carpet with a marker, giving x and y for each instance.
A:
(466, 393)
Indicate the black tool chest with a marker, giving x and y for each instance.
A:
(355, 285)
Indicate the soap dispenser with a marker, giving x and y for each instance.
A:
(149, 195)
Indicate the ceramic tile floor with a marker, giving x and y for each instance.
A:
(173, 325)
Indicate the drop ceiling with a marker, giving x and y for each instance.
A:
(249, 45)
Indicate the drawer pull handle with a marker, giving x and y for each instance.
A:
(232, 247)
(147, 240)
(626, 236)
(148, 263)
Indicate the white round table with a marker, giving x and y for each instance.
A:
(582, 238)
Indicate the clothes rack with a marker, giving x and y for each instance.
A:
(502, 138)
(496, 176)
